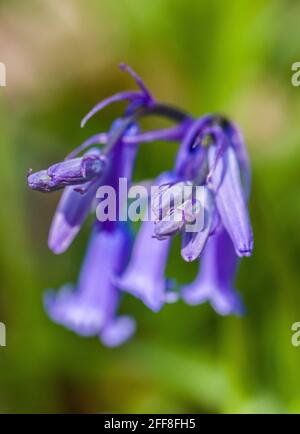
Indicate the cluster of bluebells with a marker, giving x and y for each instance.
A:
(212, 155)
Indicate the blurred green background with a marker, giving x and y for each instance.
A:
(206, 55)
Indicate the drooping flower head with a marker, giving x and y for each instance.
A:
(203, 199)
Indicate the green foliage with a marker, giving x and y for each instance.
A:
(229, 56)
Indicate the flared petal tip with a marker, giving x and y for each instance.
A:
(227, 302)
(245, 249)
(224, 302)
(193, 296)
(171, 297)
(118, 331)
(67, 309)
(189, 257)
(139, 290)
(61, 234)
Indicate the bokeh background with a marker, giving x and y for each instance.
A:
(230, 56)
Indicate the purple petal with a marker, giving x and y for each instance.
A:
(118, 331)
(170, 196)
(72, 210)
(190, 157)
(238, 142)
(215, 278)
(73, 312)
(230, 200)
(171, 224)
(193, 243)
(144, 277)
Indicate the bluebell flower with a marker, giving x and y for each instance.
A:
(214, 226)
(215, 280)
(217, 168)
(91, 308)
(213, 155)
(230, 200)
(145, 275)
